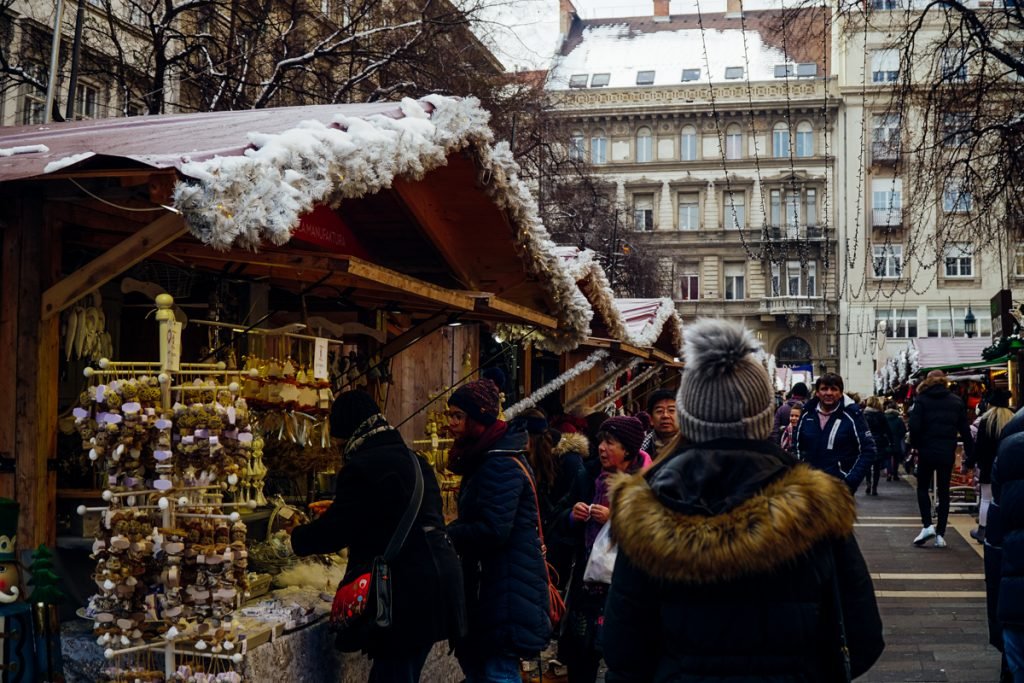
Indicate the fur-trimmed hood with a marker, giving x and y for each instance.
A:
(721, 512)
(929, 382)
(572, 442)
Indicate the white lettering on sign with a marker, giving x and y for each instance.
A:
(173, 360)
(320, 359)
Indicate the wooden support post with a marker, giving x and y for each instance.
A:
(10, 273)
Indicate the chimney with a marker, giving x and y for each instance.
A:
(661, 10)
(566, 16)
(733, 8)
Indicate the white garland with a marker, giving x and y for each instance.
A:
(555, 384)
(914, 358)
(615, 371)
(260, 196)
(642, 377)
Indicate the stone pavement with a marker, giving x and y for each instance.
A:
(932, 600)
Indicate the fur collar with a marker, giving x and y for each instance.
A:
(781, 522)
(572, 442)
(928, 383)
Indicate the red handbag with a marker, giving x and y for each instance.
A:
(556, 605)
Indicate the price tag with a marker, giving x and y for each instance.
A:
(285, 513)
(173, 360)
(320, 359)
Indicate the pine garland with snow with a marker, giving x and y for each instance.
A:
(612, 372)
(556, 384)
(636, 381)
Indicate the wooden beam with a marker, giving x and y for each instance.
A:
(10, 278)
(390, 278)
(112, 263)
(504, 308)
(414, 334)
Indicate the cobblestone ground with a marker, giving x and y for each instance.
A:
(932, 600)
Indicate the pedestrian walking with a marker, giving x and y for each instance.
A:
(798, 395)
(986, 445)
(937, 419)
(832, 435)
(496, 536)
(883, 437)
(898, 429)
(662, 408)
(736, 562)
(373, 491)
(579, 645)
(787, 441)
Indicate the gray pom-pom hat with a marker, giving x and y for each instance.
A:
(725, 391)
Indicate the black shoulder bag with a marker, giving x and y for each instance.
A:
(362, 607)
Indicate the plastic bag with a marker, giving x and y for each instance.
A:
(602, 557)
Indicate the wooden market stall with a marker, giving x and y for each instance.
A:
(390, 223)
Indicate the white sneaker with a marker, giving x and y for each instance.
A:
(926, 533)
(940, 542)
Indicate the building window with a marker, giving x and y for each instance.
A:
(86, 102)
(887, 260)
(600, 80)
(885, 66)
(954, 65)
(792, 217)
(688, 144)
(886, 201)
(643, 212)
(733, 142)
(644, 145)
(806, 70)
(776, 284)
(780, 140)
(644, 77)
(690, 75)
(955, 198)
(900, 323)
(956, 128)
(885, 136)
(885, 4)
(735, 205)
(598, 149)
(689, 211)
(577, 147)
(578, 80)
(812, 279)
(804, 139)
(735, 276)
(811, 207)
(785, 70)
(959, 260)
(947, 321)
(733, 72)
(793, 278)
(689, 284)
(33, 105)
(1018, 261)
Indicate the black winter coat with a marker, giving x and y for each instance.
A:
(496, 535)
(880, 432)
(898, 429)
(1008, 523)
(373, 491)
(936, 418)
(727, 553)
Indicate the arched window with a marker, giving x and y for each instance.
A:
(688, 144)
(598, 148)
(733, 142)
(793, 351)
(644, 145)
(804, 139)
(780, 140)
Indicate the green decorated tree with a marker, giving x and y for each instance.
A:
(44, 580)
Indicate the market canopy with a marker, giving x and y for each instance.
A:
(406, 206)
(948, 353)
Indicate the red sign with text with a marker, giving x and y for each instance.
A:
(323, 227)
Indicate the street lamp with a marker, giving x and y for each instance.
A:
(970, 323)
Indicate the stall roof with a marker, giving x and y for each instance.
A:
(949, 352)
(643, 323)
(415, 189)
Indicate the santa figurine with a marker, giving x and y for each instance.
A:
(9, 577)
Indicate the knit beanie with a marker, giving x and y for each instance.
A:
(627, 430)
(725, 391)
(479, 399)
(350, 410)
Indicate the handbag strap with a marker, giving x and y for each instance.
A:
(536, 501)
(844, 648)
(405, 524)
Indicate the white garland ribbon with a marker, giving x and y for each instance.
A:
(642, 377)
(555, 384)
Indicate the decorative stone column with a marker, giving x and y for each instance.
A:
(710, 207)
(665, 218)
(756, 220)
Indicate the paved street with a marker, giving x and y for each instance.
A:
(932, 601)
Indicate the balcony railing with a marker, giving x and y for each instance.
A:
(890, 217)
(795, 232)
(799, 305)
(884, 152)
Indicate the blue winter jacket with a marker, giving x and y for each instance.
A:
(504, 571)
(844, 449)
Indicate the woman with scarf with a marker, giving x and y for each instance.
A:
(374, 488)
(496, 535)
(579, 648)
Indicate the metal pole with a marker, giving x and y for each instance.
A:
(51, 86)
(76, 56)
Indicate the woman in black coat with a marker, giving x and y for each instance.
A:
(374, 488)
(497, 538)
(883, 436)
(733, 558)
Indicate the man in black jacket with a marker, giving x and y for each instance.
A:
(937, 418)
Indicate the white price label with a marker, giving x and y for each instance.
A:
(320, 359)
(173, 360)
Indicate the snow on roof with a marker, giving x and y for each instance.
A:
(646, 319)
(522, 34)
